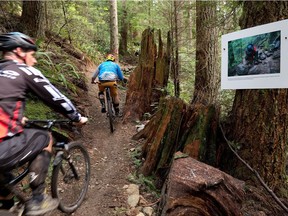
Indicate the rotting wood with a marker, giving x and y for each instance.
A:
(194, 188)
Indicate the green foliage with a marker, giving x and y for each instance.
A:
(57, 73)
(85, 24)
(136, 157)
(120, 210)
(170, 87)
(146, 181)
(187, 76)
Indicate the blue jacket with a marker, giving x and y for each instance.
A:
(108, 71)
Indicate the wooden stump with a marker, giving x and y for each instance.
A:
(161, 135)
(194, 188)
(148, 79)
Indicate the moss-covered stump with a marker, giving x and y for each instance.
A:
(199, 133)
(161, 135)
(194, 188)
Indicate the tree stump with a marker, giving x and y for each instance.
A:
(148, 80)
(161, 135)
(194, 188)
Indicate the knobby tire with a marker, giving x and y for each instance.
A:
(110, 111)
(68, 188)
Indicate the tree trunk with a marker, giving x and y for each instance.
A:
(148, 80)
(33, 18)
(207, 70)
(114, 44)
(200, 127)
(176, 62)
(124, 30)
(259, 117)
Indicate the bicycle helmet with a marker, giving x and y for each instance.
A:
(250, 47)
(110, 57)
(12, 40)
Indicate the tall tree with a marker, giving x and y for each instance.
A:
(176, 61)
(114, 44)
(207, 70)
(33, 18)
(260, 116)
(124, 29)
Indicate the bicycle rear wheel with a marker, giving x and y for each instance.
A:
(70, 178)
(110, 112)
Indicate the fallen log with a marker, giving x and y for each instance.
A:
(194, 188)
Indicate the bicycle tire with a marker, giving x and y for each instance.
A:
(110, 112)
(64, 184)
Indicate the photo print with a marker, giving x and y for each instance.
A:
(255, 58)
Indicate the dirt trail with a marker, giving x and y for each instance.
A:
(110, 161)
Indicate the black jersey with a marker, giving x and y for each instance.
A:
(15, 81)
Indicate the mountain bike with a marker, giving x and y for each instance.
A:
(109, 107)
(70, 171)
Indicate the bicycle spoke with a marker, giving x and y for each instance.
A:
(71, 185)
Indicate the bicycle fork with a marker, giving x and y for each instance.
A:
(64, 155)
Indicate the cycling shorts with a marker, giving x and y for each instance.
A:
(22, 148)
(111, 84)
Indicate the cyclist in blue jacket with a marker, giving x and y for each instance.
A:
(108, 72)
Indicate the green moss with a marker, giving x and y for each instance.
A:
(35, 109)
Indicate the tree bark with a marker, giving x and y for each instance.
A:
(259, 117)
(200, 125)
(194, 188)
(124, 30)
(207, 70)
(33, 18)
(148, 80)
(176, 62)
(161, 136)
(114, 44)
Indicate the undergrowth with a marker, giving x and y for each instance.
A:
(146, 182)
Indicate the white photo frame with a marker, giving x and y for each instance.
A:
(238, 71)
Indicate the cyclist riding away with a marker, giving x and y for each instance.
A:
(19, 145)
(108, 72)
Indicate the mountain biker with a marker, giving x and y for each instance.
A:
(19, 145)
(108, 73)
(251, 54)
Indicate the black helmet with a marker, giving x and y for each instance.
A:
(12, 40)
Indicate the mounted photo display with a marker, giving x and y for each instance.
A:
(255, 58)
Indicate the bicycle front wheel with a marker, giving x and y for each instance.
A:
(70, 178)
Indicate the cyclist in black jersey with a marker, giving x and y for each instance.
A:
(19, 145)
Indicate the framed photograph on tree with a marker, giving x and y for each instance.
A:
(255, 58)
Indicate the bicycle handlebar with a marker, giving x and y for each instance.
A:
(48, 123)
